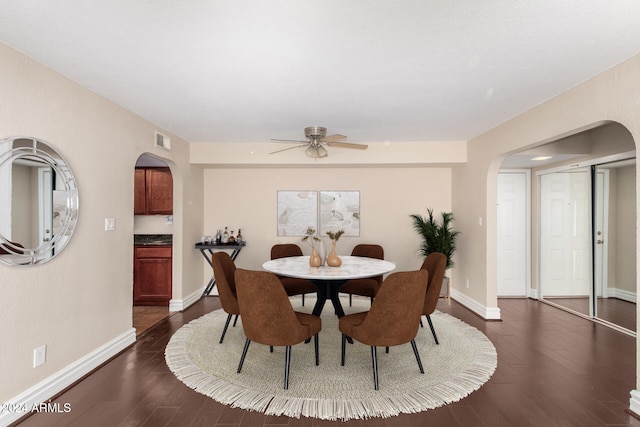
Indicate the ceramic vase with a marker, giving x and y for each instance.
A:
(322, 252)
(314, 259)
(333, 260)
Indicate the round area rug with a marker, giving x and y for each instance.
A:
(461, 364)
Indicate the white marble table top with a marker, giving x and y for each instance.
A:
(353, 267)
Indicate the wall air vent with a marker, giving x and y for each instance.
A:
(163, 141)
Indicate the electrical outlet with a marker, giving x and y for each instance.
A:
(39, 356)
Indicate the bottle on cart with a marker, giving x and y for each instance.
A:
(239, 237)
(218, 237)
(225, 236)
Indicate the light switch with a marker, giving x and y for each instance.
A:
(109, 224)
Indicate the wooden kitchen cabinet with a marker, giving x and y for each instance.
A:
(152, 275)
(153, 191)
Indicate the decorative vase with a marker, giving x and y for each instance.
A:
(314, 259)
(322, 252)
(333, 260)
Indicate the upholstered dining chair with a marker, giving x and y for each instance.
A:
(268, 317)
(394, 317)
(292, 285)
(224, 271)
(436, 264)
(367, 287)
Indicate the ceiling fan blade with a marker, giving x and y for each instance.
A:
(333, 138)
(289, 140)
(348, 145)
(290, 148)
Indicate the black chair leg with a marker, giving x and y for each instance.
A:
(226, 325)
(317, 348)
(270, 349)
(415, 351)
(374, 359)
(433, 331)
(303, 300)
(244, 353)
(235, 321)
(287, 363)
(350, 300)
(421, 325)
(344, 347)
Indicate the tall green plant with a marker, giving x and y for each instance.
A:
(436, 237)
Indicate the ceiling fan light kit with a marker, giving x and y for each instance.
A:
(316, 139)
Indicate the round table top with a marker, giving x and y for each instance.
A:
(353, 267)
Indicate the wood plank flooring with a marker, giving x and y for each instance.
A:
(554, 369)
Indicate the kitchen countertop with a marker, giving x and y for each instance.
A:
(152, 239)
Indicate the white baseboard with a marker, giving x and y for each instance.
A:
(622, 294)
(183, 304)
(634, 402)
(62, 379)
(488, 313)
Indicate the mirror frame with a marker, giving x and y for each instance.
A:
(32, 149)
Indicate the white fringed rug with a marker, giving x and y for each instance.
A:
(461, 364)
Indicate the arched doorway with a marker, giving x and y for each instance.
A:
(583, 199)
(153, 242)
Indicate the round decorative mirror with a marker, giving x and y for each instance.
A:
(38, 202)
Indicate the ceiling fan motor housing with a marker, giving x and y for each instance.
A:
(315, 132)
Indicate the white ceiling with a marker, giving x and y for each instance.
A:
(249, 70)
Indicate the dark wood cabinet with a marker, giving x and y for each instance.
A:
(152, 275)
(153, 191)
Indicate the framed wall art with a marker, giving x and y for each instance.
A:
(297, 210)
(340, 210)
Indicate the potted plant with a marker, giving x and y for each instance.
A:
(436, 236)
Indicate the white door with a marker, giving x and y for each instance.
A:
(512, 233)
(565, 266)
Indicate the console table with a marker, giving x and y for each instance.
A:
(207, 252)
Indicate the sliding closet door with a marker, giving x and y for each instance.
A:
(565, 259)
(615, 243)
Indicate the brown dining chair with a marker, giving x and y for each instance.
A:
(394, 317)
(436, 264)
(293, 285)
(367, 287)
(224, 272)
(268, 317)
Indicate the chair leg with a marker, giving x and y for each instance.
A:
(415, 351)
(226, 325)
(244, 353)
(270, 349)
(421, 325)
(350, 300)
(316, 344)
(344, 347)
(303, 300)
(433, 331)
(374, 360)
(287, 363)
(235, 321)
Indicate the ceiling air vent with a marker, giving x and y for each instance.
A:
(163, 141)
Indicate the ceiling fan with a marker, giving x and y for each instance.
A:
(316, 139)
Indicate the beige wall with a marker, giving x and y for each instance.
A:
(246, 198)
(82, 299)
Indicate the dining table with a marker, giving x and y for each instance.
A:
(328, 280)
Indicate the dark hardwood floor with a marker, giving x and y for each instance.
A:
(554, 369)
